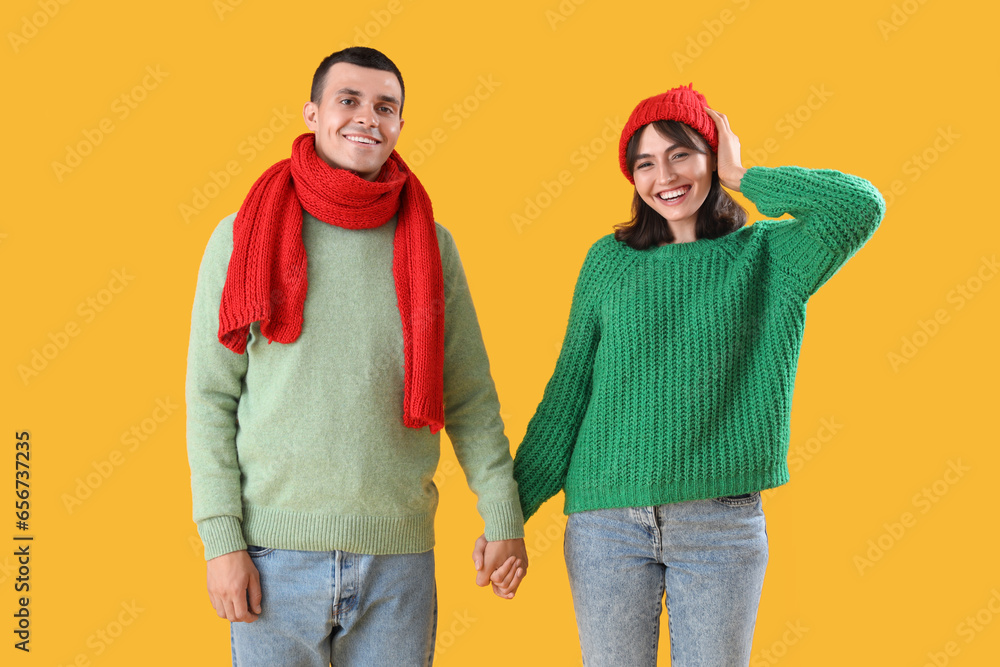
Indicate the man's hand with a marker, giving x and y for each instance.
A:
(503, 563)
(231, 577)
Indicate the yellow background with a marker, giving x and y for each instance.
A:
(895, 78)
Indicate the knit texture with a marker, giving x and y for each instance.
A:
(676, 373)
(267, 277)
(303, 445)
(683, 104)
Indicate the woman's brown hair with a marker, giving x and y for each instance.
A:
(719, 214)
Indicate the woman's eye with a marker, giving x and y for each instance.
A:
(644, 164)
(679, 155)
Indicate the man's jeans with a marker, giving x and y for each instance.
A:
(351, 609)
(709, 556)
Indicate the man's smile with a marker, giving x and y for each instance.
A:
(362, 139)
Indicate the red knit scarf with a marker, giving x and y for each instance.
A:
(266, 281)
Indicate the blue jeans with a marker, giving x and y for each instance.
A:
(335, 607)
(709, 556)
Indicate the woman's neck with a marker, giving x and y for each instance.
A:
(682, 233)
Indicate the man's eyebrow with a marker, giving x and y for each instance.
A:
(357, 93)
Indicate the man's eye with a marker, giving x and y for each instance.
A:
(386, 109)
(347, 101)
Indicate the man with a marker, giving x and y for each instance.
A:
(312, 458)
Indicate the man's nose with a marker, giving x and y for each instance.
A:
(365, 115)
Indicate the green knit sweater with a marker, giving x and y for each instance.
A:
(302, 446)
(676, 373)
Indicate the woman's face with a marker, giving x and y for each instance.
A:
(672, 179)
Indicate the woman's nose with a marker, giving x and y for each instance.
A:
(665, 174)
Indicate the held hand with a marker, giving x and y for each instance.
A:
(502, 563)
(231, 577)
(729, 164)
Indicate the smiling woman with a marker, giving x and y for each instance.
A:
(662, 470)
(672, 177)
(676, 180)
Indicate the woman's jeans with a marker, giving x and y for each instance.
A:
(351, 609)
(709, 556)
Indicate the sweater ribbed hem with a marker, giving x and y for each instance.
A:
(221, 535)
(504, 521)
(301, 531)
(606, 497)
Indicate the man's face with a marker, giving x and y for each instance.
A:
(357, 120)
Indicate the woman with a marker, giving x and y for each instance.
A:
(668, 411)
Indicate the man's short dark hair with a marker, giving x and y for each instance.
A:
(362, 56)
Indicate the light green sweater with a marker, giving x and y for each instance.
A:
(302, 446)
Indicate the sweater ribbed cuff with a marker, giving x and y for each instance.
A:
(753, 183)
(221, 535)
(503, 521)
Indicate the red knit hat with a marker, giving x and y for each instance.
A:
(682, 103)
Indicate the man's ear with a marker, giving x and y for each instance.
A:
(401, 121)
(310, 110)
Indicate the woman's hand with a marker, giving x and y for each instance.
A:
(729, 164)
(502, 563)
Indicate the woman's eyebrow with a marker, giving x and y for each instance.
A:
(641, 156)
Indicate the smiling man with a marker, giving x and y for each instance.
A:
(312, 459)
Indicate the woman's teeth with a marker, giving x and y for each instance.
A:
(673, 194)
